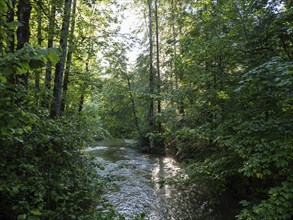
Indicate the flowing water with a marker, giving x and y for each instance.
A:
(153, 185)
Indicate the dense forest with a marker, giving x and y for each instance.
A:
(213, 82)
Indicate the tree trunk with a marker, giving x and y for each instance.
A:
(11, 36)
(151, 77)
(39, 39)
(23, 32)
(133, 106)
(51, 28)
(174, 63)
(158, 64)
(10, 18)
(23, 15)
(69, 58)
(180, 70)
(81, 101)
(59, 69)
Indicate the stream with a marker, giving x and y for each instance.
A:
(153, 185)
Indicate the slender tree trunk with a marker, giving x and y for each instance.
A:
(158, 64)
(69, 57)
(81, 99)
(59, 69)
(180, 70)
(11, 36)
(174, 63)
(39, 31)
(51, 28)
(151, 76)
(23, 32)
(40, 39)
(133, 106)
(23, 15)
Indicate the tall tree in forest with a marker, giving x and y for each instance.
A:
(151, 76)
(158, 64)
(11, 35)
(39, 42)
(23, 32)
(83, 88)
(69, 57)
(51, 28)
(133, 105)
(10, 18)
(23, 15)
(59, 69)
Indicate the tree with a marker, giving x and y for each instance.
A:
(23, 33)
(56, 105)
(69, 56)
(151, 76)
(158, 63)
(51, 31)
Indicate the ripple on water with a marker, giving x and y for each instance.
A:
(143, 185)
(96, 148)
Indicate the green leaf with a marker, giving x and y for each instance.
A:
(53, 54)
(13, 25)
(3, 79)
(7, 71)
(3, 7)
(36, 63)
(36, 212)
(21, 70)
(18, 139)
(21, 217)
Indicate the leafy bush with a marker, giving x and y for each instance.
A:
(250, 152)
(43, 173)
(262, 136)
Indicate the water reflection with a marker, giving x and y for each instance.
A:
(179, 201)
(153, 185)
(166, 169)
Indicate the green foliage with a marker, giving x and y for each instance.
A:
(228, 100)
(48, 177)
(265, 118)
(278, 205)
(44, 175)
(263, 137)
(117, 117)
(26, 59)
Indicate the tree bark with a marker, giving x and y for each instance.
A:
(23, 32)
(69, 58)
(10, 18)
(133, 106)
(158, 64)
(180, 70)
(23, 14)
(11, 36)
(151, 77)
(81, 101)
(51, 28)
(39, 39)
(59, 68)
(82, 89)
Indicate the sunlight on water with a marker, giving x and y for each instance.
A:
(96, 148)
(150, 184)
(165, 168)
